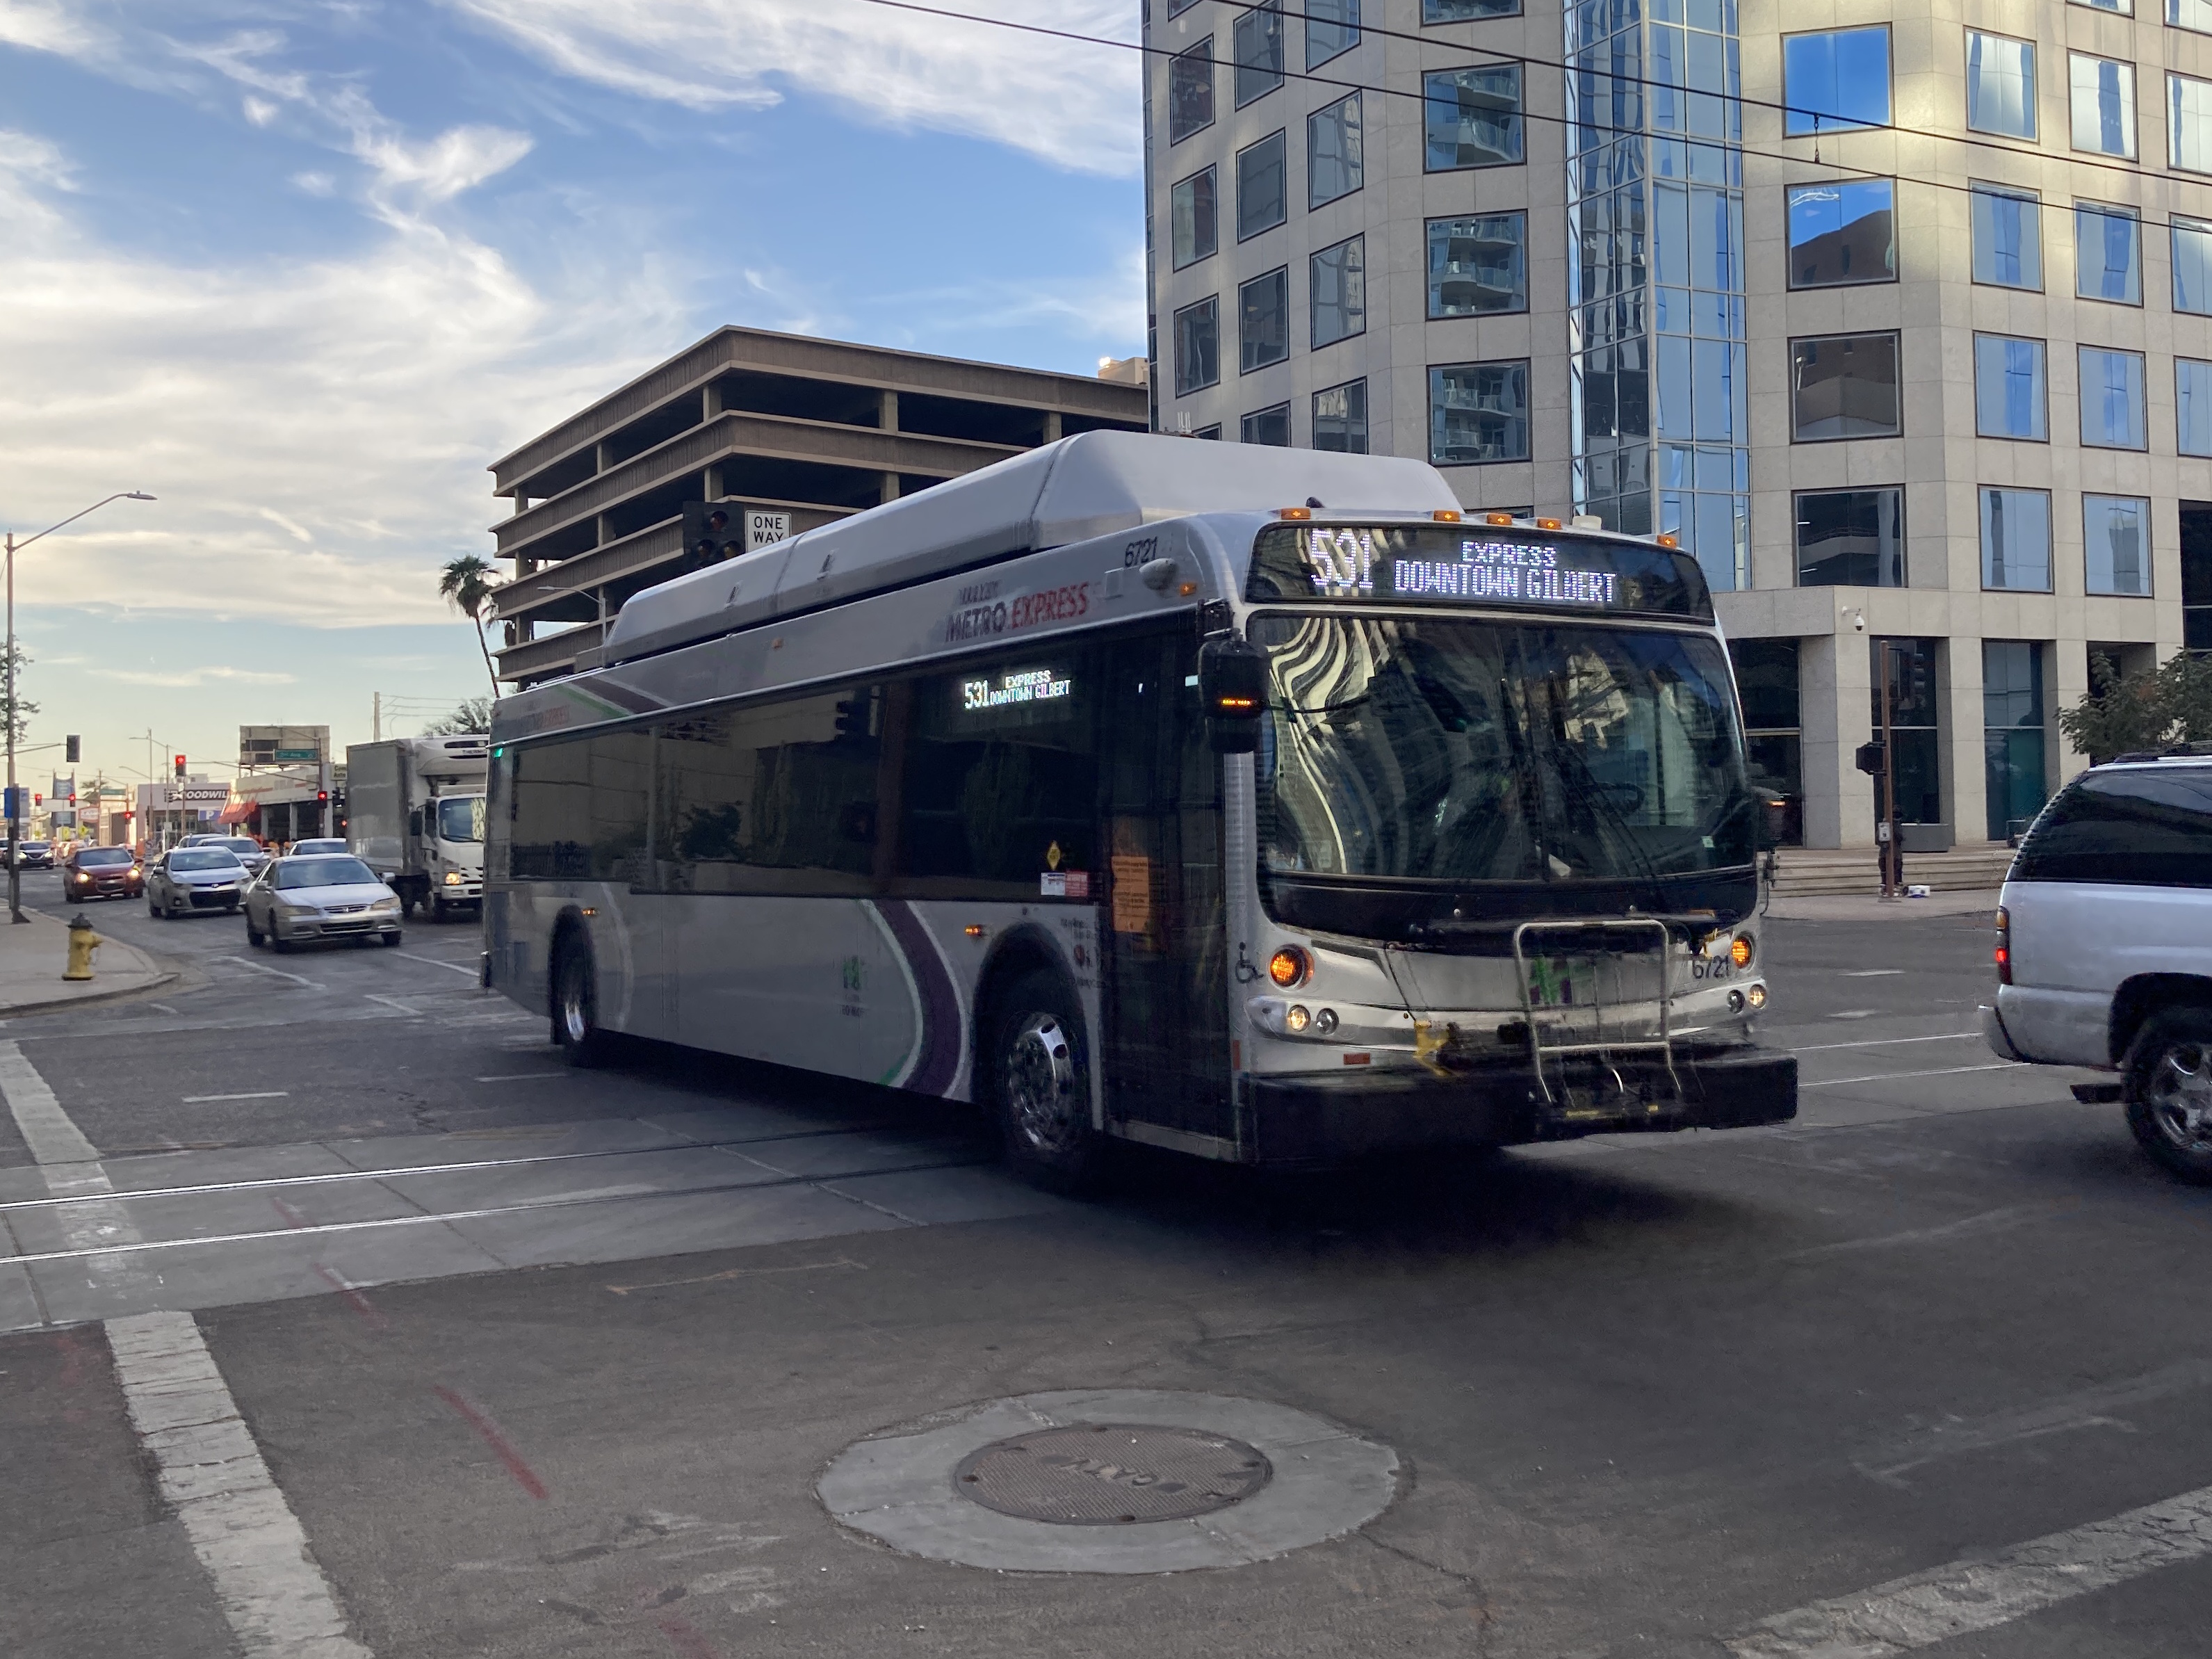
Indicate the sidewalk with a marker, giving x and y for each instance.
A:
(33, 956)
(1871, 907)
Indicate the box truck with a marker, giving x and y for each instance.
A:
(415, 815)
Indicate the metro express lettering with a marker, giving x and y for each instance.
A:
(1053, 604)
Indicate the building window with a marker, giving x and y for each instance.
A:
(2124, 8)
(1479, 267)
(1270, 426)
(2112, 398)
(2196, 575)
(2192, 406)
(1176, 8)
(1910, 668)
(1190, 91)
(1263, 320)
(1197, 345)
(1192, 216)
(2189, 15)
(2012, 734)
(2000, 85)
(1340, 418)
(2009, 399)
(1767, 676)
(1843, 232)
(2007, 237)
(1836, 81)
(2116, 544)
(1258, 45)
(2104, 104)
(1850, 538)
(1338, 283)
(1331, 28)
(1473, 117)
(1334, 167)
(1478, 412)
(1843, 386)
(1466, 11)
(1211, 433)
(2017, 540)
(2192, 264)
(2189, 124)
(1262, 187)
(2107, 253)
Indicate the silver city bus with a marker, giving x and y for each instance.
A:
(1245, 801)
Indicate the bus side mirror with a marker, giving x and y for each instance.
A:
(1232, 681)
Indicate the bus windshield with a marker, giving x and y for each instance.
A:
(1458, 750)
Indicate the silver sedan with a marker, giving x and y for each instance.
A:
(319, 895)
(190, 878)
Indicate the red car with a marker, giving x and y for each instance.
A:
(103, 873)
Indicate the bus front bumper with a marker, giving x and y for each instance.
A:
(1309, 1118)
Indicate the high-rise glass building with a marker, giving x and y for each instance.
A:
(1902, 324)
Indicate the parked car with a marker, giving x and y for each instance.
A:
(319, 895)
(38, 855)
(91, 873)
(320, 844)
(2105, 949)
(190, 878)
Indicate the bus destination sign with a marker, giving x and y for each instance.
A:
(1433, 564)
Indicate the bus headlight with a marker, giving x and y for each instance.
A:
(1325, 1022)
(1296, 1018)
(1756, 996)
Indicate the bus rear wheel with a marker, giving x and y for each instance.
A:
(1040, 1077)
(575, 1006)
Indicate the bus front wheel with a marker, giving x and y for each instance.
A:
(1041, 1084)
(576, 1007)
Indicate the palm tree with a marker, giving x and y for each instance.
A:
(465, 584)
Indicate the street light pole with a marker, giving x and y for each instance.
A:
(15, 804)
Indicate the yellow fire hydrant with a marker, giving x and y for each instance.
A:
(83, 943)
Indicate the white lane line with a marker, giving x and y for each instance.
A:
(1885, 1042)
(394, 1002)
(272, 1590)
(274, 973)
(522, 1076)
(2011, 1215)
(1870, 973)
(1893, 1077)
(1964, 1597)
(450, 967)
(46, 1129)
(263, 1094)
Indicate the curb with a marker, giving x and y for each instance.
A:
(9, 1010)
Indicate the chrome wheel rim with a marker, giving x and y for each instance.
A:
(576, 1018)
(1043, 1101)
(2180, 1094)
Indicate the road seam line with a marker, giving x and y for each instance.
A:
(274, 1592)
(450, 967)
(263, 1094)
(1883, 1043)
(274, 973)
(1964, 1597)
(1892, 1077)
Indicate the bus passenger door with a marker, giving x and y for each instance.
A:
(1166, 1047)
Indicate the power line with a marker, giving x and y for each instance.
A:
(1740, 149)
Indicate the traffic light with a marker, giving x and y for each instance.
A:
(713, 531)
(322, 797)
(852, 716)
(37, 799)
(70, 744)
(180, 768)
(1870, 759)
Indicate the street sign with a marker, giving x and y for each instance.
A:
(764, 529)
(282, 745)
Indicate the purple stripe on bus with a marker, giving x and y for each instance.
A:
(940, 1063)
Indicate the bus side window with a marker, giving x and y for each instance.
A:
(1000, 785)
(580, 807)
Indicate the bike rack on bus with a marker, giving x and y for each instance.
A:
(1604, 1048)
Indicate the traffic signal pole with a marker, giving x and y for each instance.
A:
(14, 804)
(1892, 866)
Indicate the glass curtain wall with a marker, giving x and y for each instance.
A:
(1656, 269)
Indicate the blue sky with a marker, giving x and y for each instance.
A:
(301, 268)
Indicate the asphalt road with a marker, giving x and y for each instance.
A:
(1642, 1394)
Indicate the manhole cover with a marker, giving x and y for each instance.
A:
(1102, 1474)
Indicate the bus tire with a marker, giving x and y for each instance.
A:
(576, 1028)
(1040, 1084)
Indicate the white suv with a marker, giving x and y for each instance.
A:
(2105, 949)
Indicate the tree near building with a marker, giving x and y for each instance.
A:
(470, 714)
(2138, 713)
(466, 584)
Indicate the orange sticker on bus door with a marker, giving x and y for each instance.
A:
(1133, 893)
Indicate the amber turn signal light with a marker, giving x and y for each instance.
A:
(1289, 966)
(1739, 951)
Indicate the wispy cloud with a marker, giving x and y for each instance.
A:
(1073, 104)
(183, 678)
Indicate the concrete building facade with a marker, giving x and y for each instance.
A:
(812, 429)
(1898, 313)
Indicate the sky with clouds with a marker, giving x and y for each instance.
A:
(301, 268)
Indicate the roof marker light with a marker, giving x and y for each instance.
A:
(1667, 541)
(1445, 515)
(1498, 517)
(1296, 515)
(1547, 524)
